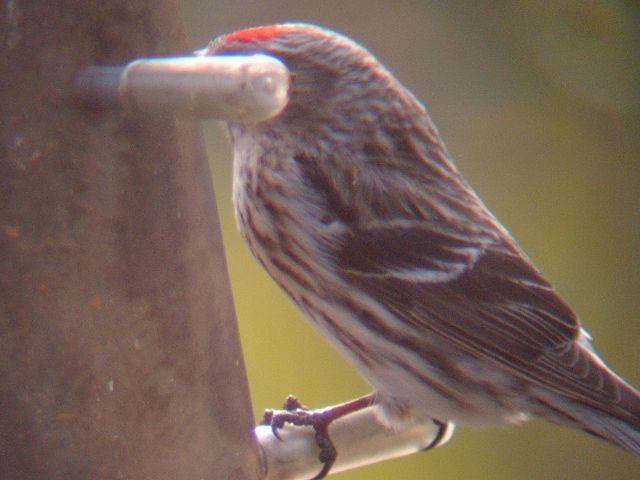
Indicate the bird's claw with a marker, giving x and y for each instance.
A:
(295, 413)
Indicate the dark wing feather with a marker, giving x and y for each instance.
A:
(481, 295)
(423, 251)
(488, 300)
(419, 241)
(460, 278)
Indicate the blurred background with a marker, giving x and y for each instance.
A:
(539, 104)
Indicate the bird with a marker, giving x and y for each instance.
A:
(352, 203)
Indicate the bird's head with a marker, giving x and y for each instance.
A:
(335, 81)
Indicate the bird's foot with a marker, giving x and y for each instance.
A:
(295, 413)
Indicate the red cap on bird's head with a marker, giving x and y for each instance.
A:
(320, 61)
(264, 32)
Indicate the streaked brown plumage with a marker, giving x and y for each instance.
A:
(350, 201)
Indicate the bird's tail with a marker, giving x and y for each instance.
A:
(617, 422)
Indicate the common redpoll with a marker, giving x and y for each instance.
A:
(351, 202)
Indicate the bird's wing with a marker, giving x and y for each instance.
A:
(479, 294)
(416, 239)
